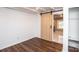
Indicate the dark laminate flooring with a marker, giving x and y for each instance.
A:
(73, 49)
(35, 45)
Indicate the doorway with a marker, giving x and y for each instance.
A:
(52, 27)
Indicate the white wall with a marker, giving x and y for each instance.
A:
(74, 23)
(17, 26)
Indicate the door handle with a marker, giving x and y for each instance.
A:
(50, 26)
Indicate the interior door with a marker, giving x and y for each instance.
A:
(46, 26)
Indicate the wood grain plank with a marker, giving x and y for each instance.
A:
(35, 45)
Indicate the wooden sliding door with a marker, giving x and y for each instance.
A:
(46, 26)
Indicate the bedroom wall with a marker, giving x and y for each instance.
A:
(17, 26)
(74, 24)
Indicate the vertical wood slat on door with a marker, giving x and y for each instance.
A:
(46, 30)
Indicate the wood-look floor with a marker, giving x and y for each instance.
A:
(73, 49)
(35, 45)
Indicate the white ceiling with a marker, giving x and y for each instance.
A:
(36, 9)
(44, 9)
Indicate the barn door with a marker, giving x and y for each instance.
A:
(46, 26)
